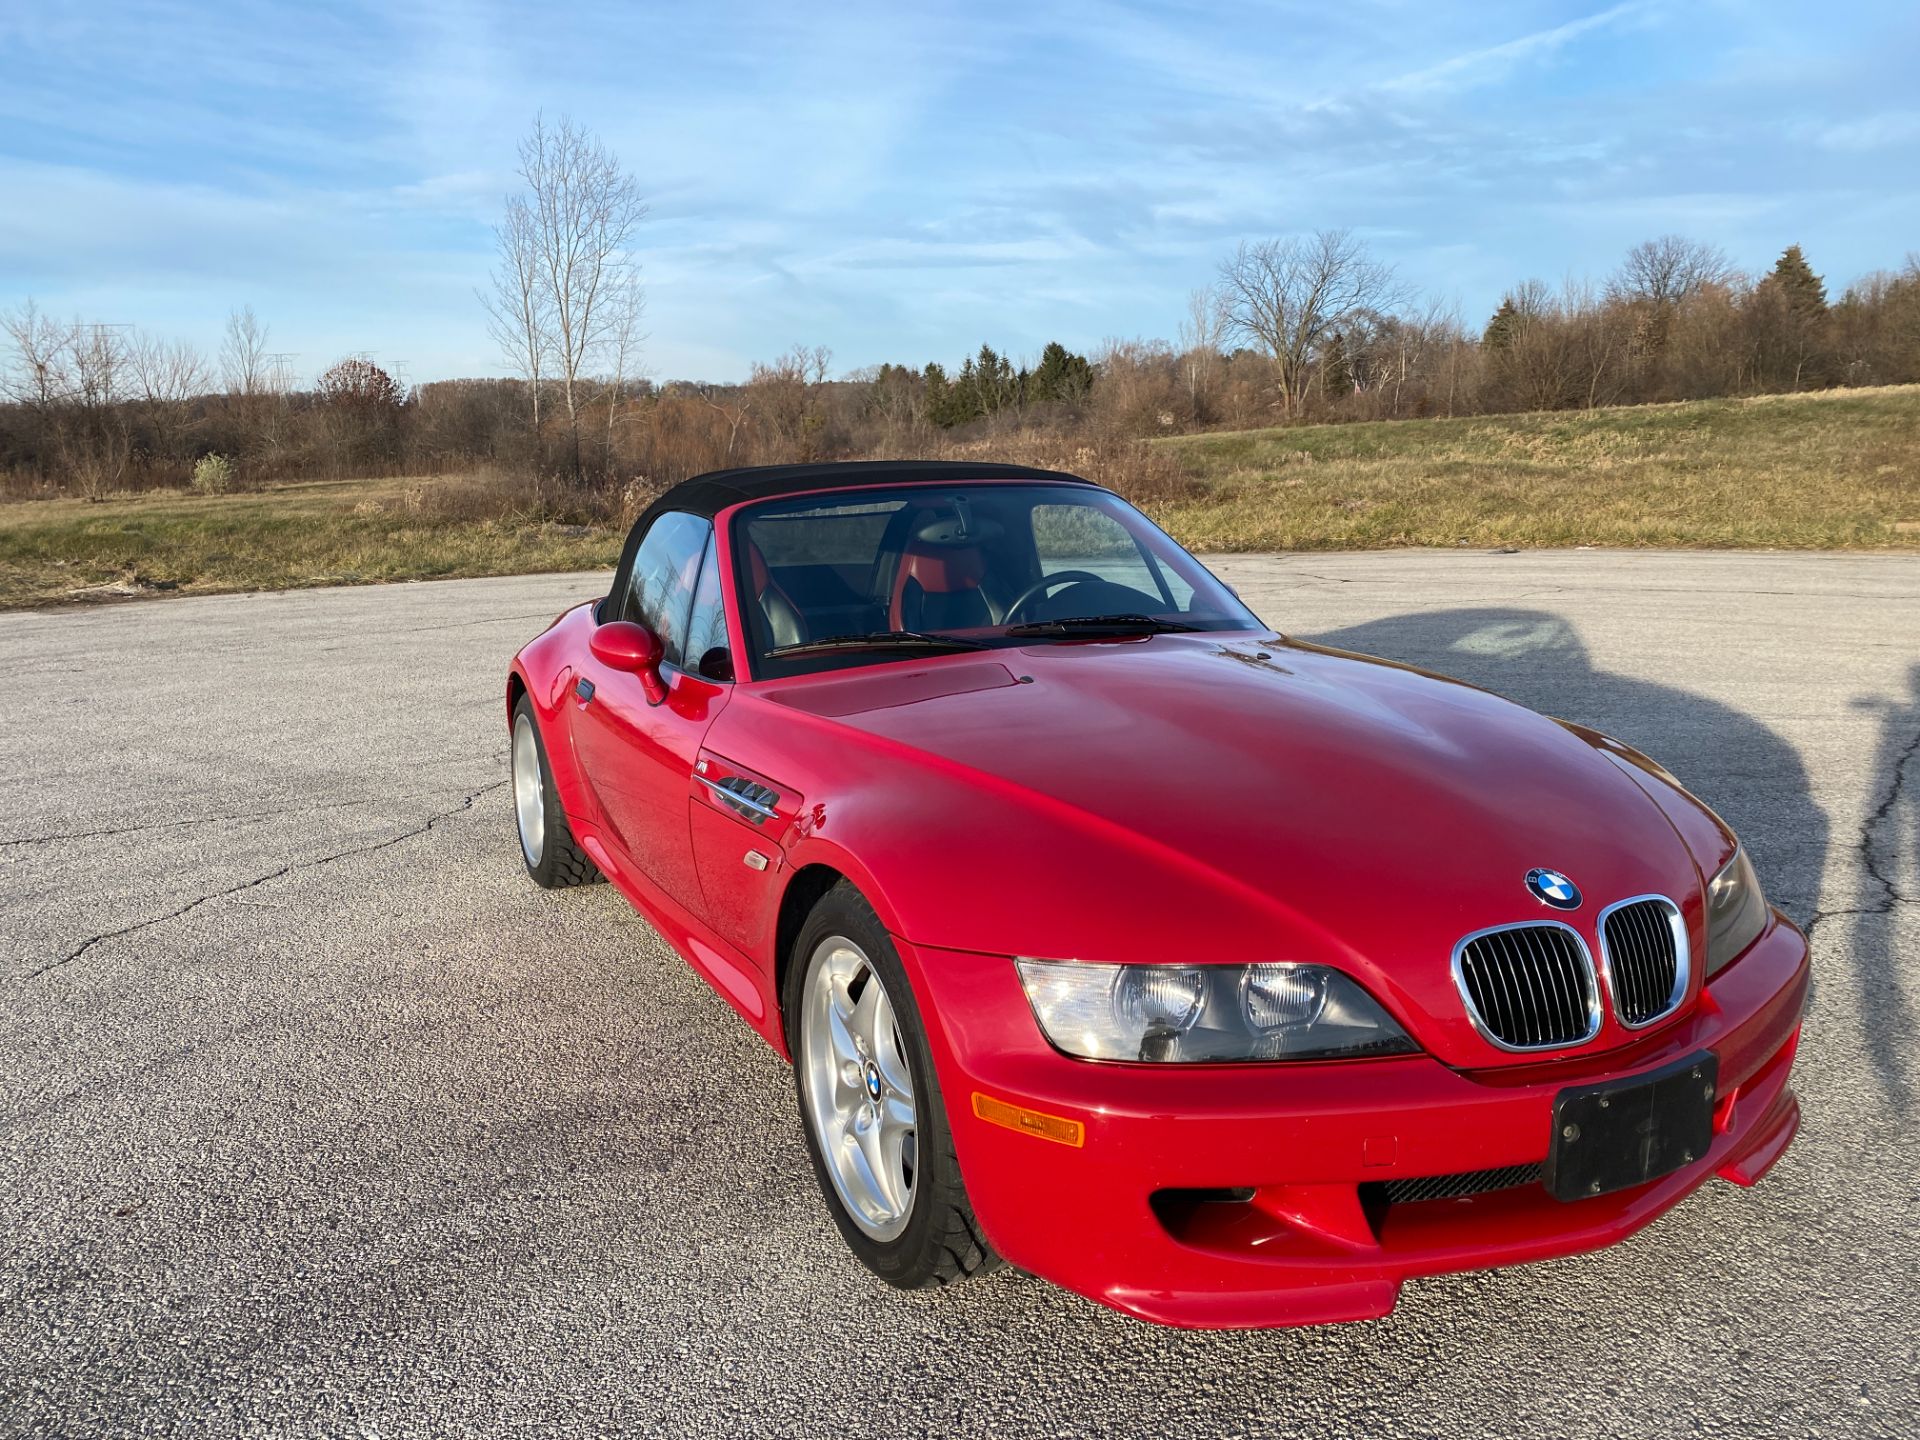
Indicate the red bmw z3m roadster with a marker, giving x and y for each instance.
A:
(1225, 979)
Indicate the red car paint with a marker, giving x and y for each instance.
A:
(1206, 797)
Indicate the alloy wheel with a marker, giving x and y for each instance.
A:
(859, 1087)
(529, 794)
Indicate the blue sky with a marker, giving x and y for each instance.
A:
(903, 182)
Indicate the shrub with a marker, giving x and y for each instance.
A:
(514, 497)
(213, 475)
(1146, 474)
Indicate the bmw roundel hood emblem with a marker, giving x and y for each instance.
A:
(1550, 887)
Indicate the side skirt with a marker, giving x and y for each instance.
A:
(731, 972)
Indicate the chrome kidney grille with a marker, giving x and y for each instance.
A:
(1529, 987)
(1643, 943)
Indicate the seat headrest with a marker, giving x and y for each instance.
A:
(757, 572)
(943, 569)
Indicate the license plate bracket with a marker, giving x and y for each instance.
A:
(1623, 1133)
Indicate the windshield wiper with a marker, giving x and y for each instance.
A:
(876, 640)
(1101, 624)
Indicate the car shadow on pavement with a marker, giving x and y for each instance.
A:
(1751, 775)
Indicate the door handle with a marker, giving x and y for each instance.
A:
(583, 687)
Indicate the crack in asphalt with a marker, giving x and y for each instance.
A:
(490, 619)
(465, 804)
(238, 815)
(1881, 813)
(1891, 895)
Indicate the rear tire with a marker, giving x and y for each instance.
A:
(547, 845)
(876, 1046)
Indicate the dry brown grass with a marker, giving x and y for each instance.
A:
(1830, 470)
(1840, 469)
(283, 537)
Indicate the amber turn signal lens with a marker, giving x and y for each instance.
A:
(1029, 1122)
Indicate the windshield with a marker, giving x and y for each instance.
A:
(864, 577)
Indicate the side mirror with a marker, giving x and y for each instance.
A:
(623, 645)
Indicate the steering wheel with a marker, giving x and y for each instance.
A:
(1040, 587)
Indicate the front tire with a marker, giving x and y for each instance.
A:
(547, 845)
(870, 1103)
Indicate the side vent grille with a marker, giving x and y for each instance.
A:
(746, 798)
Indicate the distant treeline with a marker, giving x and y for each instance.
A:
(1296, 330)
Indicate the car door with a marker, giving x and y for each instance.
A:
(639, 757)
(741, 820)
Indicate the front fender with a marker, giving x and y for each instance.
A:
(544, 668)
(958, 859)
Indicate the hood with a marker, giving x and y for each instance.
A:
(1381, 813)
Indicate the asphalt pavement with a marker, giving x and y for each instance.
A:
(318, 1118)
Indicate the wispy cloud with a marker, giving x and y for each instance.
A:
(1889, 130)
(1492, 63)
(905, 182)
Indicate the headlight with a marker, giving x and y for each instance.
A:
(1207, 1012)
(1736, 912)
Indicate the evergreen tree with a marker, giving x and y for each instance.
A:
(1804, 291)
(1336, 374)
(966, 393)
(994, 381)
(1060, 376)
(1788, 325)
(942, 403)
(1501, 328)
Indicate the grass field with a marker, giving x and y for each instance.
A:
(321, 532)
(1840, 469)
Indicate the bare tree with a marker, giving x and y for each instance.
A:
(584, 212)
(167, 372)
(786, 392)
(33, 376)
(518, 305)
(74, 379)
(101, 443)
(166, 375)
(1877, 327)
(627, 305)
(1288, 296)
(1200, 334)
(1528, 359)
(1669, 270)
(1408, 354)
(1598, 339)
(358, 412)
(735, 413)
(816, 361)
(244, 364)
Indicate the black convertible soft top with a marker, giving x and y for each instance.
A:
(711, 493)
(707, 495)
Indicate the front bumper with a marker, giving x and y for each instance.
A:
(1315, 1242)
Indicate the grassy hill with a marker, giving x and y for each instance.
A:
(282, 537)
(1839, 469)
(1836, 469)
